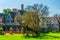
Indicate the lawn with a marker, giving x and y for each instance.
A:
(50, 36)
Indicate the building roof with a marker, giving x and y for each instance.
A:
(12, 24)
(2, 14)
(12, 14)
(21, 12)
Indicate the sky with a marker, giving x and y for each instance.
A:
(54, 5)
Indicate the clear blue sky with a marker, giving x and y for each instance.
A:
(54, 5)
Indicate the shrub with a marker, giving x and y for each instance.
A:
(1, 31)
(11, 30)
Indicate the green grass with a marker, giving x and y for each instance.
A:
(50, 36)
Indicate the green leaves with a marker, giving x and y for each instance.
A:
(6, 11)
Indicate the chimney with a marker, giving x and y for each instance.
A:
(15, 10)
(22, 7)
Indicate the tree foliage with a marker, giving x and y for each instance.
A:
(31, 19)
(42, 11)
(6, 11)
(40, 8)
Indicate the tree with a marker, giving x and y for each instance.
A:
(18, 20)
(6, 11)
(31, 19)
(58, 19)
(42, 11)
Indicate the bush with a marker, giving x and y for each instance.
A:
(11, 30)
(54, 30)
(1, 31)
(43, 30)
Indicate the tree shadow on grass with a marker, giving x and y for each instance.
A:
(31, 36)
(37, 37)
(54, 36)
(42, 36)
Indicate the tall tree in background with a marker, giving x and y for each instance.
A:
(6, 11)
(42, 11)
(40, 8)
(58, 19)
